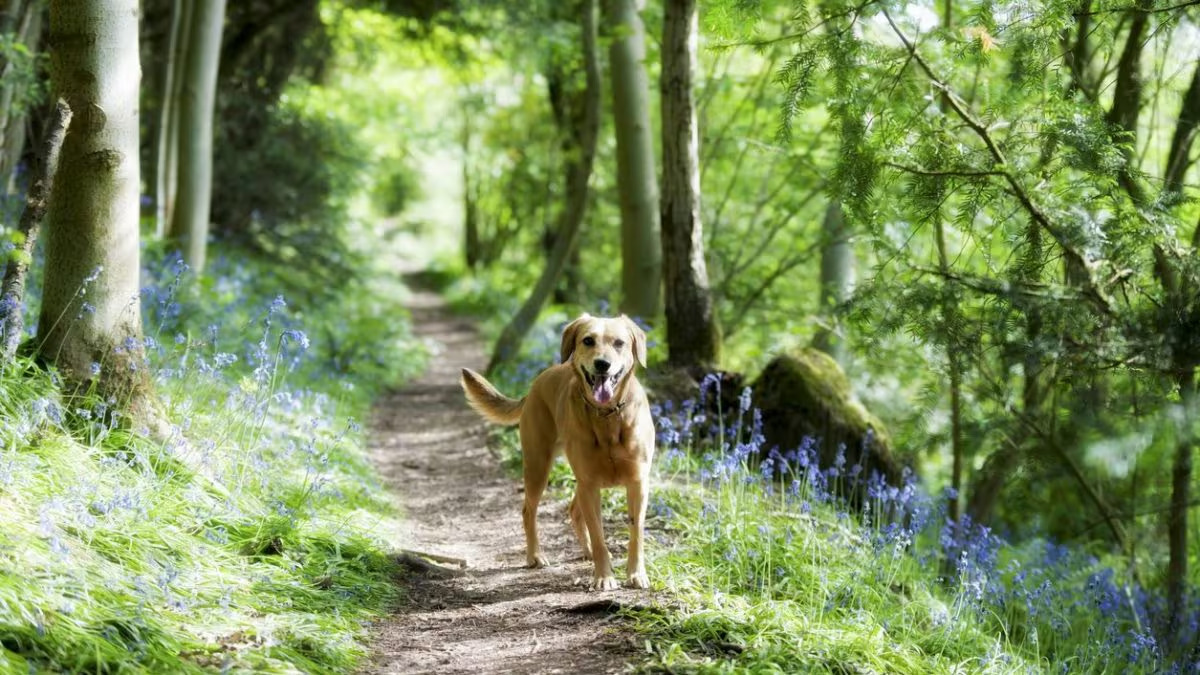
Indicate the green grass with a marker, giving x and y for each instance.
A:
(757, 586)
(245, 540)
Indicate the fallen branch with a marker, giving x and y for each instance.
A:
(420, 561)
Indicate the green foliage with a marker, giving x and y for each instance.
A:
(22, 74)
(285, 190)
(396, 184)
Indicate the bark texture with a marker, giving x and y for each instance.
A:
(693, 337)
(637, 187)
(90, 320)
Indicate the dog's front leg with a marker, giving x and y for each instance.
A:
(589, 503)
(636, 497)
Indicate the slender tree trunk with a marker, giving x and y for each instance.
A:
(579, 171)
(637, 187)
(1001, 464)
(837, 280)
(1077, 53)
(1177, 518)
(471, 244)
(90, 322)
(12, 291)
(1178, 158)
(693, 337)
(1127, 97)
(166, 170)
(23, 21)
(199, 87)
(950, 317)
(568, 103)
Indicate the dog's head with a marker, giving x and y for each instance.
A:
(603, 352)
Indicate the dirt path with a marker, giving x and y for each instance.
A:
(496, 617)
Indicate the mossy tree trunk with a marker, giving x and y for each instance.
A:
(637, 187)
(90, 325)
(693, 336)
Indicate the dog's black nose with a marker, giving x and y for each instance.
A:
(601, 365)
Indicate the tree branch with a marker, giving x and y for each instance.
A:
(1093, 292)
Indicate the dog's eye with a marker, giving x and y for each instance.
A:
(618, 343)
(589, 342)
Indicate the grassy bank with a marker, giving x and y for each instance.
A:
(772, 572)
(240, 540)
(767, 568)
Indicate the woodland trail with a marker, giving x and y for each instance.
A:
(457, 500)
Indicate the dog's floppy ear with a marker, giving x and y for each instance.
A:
(639, 340)
(570, 332)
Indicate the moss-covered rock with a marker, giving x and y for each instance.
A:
(805, 393)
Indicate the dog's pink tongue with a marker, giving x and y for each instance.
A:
(603, 392)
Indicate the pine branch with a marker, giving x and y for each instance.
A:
(1093, 292)
(963, 173)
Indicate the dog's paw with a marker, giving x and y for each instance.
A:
(536, 562)
(639, 580)
(606, 583)
(586, 554)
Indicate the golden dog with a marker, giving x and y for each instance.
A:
(592, 406)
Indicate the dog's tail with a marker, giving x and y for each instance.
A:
(483, 397)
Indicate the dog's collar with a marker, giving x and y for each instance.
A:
(603, 412)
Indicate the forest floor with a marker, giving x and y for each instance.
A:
(457, 499)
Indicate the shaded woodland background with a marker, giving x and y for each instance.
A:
(983, 212)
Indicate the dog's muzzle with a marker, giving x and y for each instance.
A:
(603, 385)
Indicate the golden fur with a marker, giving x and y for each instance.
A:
(593, 408)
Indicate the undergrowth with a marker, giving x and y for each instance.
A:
(243, 540)
(772, 563)
(772, 570)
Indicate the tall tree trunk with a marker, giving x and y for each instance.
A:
(950, 317)
(693, 337)
(1178, 158)
(472, 250)
(637, 187)
(23, 21)
(579, 172)
(166, 170)
(837, 280)
(90, 325)
(1177, 515)
(1077, 53)
(568, 103)
(1001, 464)
(1127, 97)
(199, 88)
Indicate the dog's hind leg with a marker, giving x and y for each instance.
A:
(580, 527)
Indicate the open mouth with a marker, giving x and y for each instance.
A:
(602, 386)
